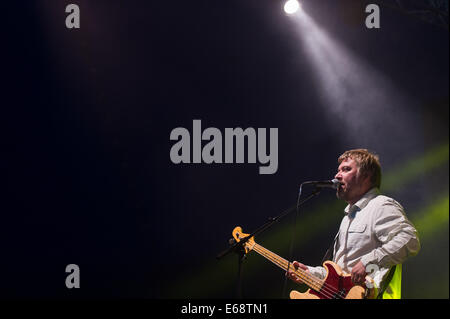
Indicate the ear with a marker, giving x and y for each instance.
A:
(365, 177)
(367, 180)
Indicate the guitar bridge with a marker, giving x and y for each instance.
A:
(340, 294)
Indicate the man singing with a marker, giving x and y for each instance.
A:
(375, 236)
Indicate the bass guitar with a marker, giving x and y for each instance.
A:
(336, 285)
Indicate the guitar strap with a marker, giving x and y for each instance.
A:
(330, 251)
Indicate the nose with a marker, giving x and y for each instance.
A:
(338, 176)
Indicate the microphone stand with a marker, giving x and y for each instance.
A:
(238, 247)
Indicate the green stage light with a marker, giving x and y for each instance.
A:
(433, 218)
(408, 171)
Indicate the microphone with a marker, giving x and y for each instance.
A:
(334, 183)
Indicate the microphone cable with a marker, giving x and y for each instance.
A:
(291, 246)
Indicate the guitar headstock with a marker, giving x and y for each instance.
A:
(238, 235)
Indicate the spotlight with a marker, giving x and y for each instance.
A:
(291, 6)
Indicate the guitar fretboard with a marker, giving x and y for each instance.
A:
(310, 280)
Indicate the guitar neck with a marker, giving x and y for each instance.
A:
(310, 280)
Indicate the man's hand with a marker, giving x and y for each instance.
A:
(292, 275)
(359, 273)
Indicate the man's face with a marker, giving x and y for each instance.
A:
(353, 184)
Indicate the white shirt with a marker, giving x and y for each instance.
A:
(376, 232)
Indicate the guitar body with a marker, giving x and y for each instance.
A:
(337, 284)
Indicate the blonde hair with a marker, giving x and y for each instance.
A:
(368, 163)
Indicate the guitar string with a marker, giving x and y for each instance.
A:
(322, 285)
(306, 279)
(315, 283)
(327, 290)
(283, 265)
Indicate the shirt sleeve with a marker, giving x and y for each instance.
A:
(397, 236)
(319, 271)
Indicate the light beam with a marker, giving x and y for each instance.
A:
(360, 104)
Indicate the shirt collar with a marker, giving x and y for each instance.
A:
(362, 202)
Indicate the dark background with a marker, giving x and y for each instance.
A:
(86, 118)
